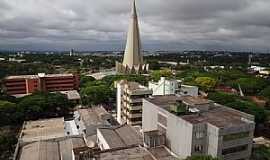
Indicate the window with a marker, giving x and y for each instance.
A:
(234, 149)
(162, 120)
(198, 148)
(199, 135)
(234, 136)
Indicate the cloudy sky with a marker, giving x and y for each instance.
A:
(165, 24)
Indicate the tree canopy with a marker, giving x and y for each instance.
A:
(155, 75)
(201, 158)
(206, 83)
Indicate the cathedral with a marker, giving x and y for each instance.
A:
(133, 58)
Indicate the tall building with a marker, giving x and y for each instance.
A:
(27, 84)
(196, 126)
(129, 102)
(133, 58)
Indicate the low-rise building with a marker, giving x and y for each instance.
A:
(129, 102)
(171, 86)
(27, 84)
(164, 87)
(196, 126)
(118, 137)
(47, 139)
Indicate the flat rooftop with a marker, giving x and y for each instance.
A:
(122, 136)
(43, 129)
(72, 94)
(217, 115)
(92, 118)
(161, 153)
(37, 76)
(51, 149)
(166, 101)
(136, 153)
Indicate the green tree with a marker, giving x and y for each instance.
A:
(155, 75)
(206, 83)
(266, 92)
(96, 94)
(251, 85)
(8, 113)
(260, 153)
(201, 158)
(85, 79)
(43, 105)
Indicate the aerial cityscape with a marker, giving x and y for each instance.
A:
(134, 80)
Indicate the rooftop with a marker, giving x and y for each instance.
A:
(136, 153)
(122, 136)
(51, 149)
(217, 115)
(36, 76)
(72, 95)
(92, 118)
(43, 129)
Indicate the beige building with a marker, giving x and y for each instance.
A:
(133, 58)
(129, 102)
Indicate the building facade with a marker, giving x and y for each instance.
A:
(133, 58)
(27, 84)
(129, 102)
(195, 126)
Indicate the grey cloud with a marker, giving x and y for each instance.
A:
(102, 24)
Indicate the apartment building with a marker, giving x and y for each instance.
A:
(196, 126)
(27, 84)
(129, 102)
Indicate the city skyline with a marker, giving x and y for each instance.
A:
(241, 25)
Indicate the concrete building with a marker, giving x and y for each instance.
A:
(27, 84)
(118, 137)
(133, 58)
(171, 86)
(129, 102)
(196, 126)
(164, 87)
(47, 139)
(187, 90)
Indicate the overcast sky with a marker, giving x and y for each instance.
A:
(164, 24)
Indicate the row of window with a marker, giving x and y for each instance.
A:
(234, 149)
(234, 136)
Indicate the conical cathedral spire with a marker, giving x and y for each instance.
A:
(133, 58)
(133, 55)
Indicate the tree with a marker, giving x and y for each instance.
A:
(266, 92)
(206, 83)
(85, 79)
(260, 153)
(155, 75)
(251, 85)
(201, 158)
(8, 113)
(43, 105)
(96, 94)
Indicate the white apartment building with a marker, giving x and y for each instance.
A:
(195, 126)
